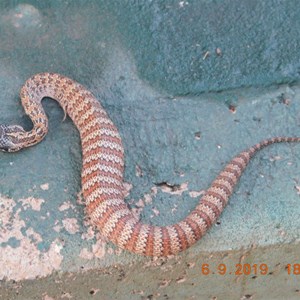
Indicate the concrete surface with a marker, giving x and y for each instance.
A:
(189, 84)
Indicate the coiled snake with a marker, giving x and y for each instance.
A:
(103, 164)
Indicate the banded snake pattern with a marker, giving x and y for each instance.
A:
(103, 165)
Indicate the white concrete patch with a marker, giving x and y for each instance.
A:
(66, 205)
(45, 186)
(70, 225)
(25, 261)
(33, 203)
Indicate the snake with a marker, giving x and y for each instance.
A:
(102, 172)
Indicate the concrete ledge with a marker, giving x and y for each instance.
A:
(177, 278)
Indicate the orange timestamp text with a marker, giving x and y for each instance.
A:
(246, 269)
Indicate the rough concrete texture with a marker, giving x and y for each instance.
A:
(189, 84)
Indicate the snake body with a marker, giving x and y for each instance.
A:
(103, 164)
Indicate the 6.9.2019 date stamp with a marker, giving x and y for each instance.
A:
(245, 269)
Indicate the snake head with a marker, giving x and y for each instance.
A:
(9, 137)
